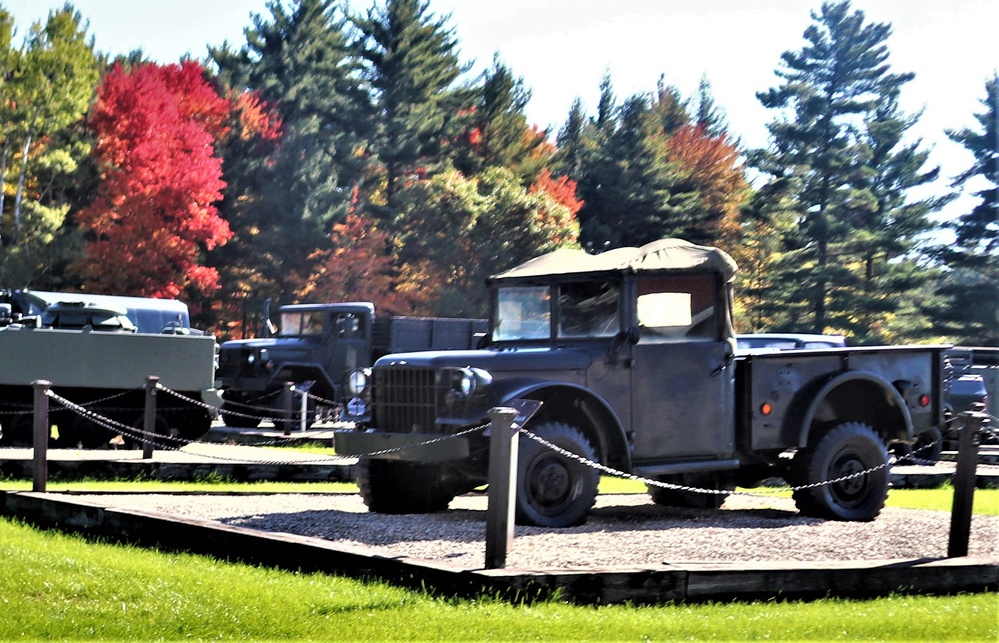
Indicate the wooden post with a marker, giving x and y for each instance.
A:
(964, 483)
(502, 486)
(149, 419)
(42, 429)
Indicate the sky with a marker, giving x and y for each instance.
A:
(563, 48)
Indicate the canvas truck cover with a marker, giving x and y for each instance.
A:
(664, 255)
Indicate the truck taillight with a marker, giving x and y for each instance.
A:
(924, 400)
(766, 408)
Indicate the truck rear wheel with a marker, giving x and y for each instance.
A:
(846, 451)
(395, 487)
(692, 499)
(554, 490)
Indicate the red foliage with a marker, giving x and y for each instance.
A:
(563, 191)
(154, 212)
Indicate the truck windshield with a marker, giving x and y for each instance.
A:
(522, 312)
(584, 309)
(294, 324)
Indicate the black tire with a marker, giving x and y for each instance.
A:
(238, 417)
(552, 489)
(394, 487)
(18, 430)
(925, 450)
(692, 499)
(847, 449)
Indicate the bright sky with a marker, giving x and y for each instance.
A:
(562, 48)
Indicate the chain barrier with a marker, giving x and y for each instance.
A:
(142, 436)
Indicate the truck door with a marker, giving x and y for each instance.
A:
(682, 380)
(348, 344)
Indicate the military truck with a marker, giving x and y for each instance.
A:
(632, 355)
(313, 346)
(105, 372)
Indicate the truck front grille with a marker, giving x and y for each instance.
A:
(404, 399)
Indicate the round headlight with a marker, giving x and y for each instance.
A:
(466, 382)
(357, 381)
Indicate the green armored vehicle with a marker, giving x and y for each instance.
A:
(94, 358)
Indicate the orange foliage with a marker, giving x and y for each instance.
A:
(359, 267)
(714, 168)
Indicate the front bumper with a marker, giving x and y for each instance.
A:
(415, 447)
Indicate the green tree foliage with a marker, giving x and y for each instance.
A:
(497, 133)
(285, 197)
(457, 230)
(970, 286)
(45, 90)
(838, 145)
(412, 67)
(647, 170)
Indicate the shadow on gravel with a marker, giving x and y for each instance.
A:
(468, 525)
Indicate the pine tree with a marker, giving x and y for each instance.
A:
(970, 286)
(497, 133)
(413, 69)
(286, 198)
(849, 173)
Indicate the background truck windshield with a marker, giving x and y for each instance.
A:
(301, 323)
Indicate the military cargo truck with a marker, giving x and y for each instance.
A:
(632, 355)
(314, 345)
(105, 372)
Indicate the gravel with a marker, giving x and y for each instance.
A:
(623, 530)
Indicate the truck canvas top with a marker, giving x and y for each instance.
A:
(665, 255)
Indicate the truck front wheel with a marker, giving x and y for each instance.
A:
(554, 490)
(852, 455)
(394, 487)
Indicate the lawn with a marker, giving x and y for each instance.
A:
(57, 586)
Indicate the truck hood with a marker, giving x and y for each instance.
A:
(496, 360)
(283, 348)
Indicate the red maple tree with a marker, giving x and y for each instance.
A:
(154, 214)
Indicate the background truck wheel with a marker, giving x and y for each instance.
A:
(847, 449)
(240, 417)
(925, 450)
(18, 430)
(394, 487)
(552, 489)
(692, 499)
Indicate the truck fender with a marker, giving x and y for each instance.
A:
(578, 406)
(852, 396)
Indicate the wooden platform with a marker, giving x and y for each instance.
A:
(679, 582)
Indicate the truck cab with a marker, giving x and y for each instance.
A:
(313, 343)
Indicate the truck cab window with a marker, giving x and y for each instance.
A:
(588, 309)
(348, 326)
(678, 307)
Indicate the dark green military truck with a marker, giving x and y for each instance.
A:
(632, 354)
(314, 345)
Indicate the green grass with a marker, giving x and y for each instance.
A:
(56, 586)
